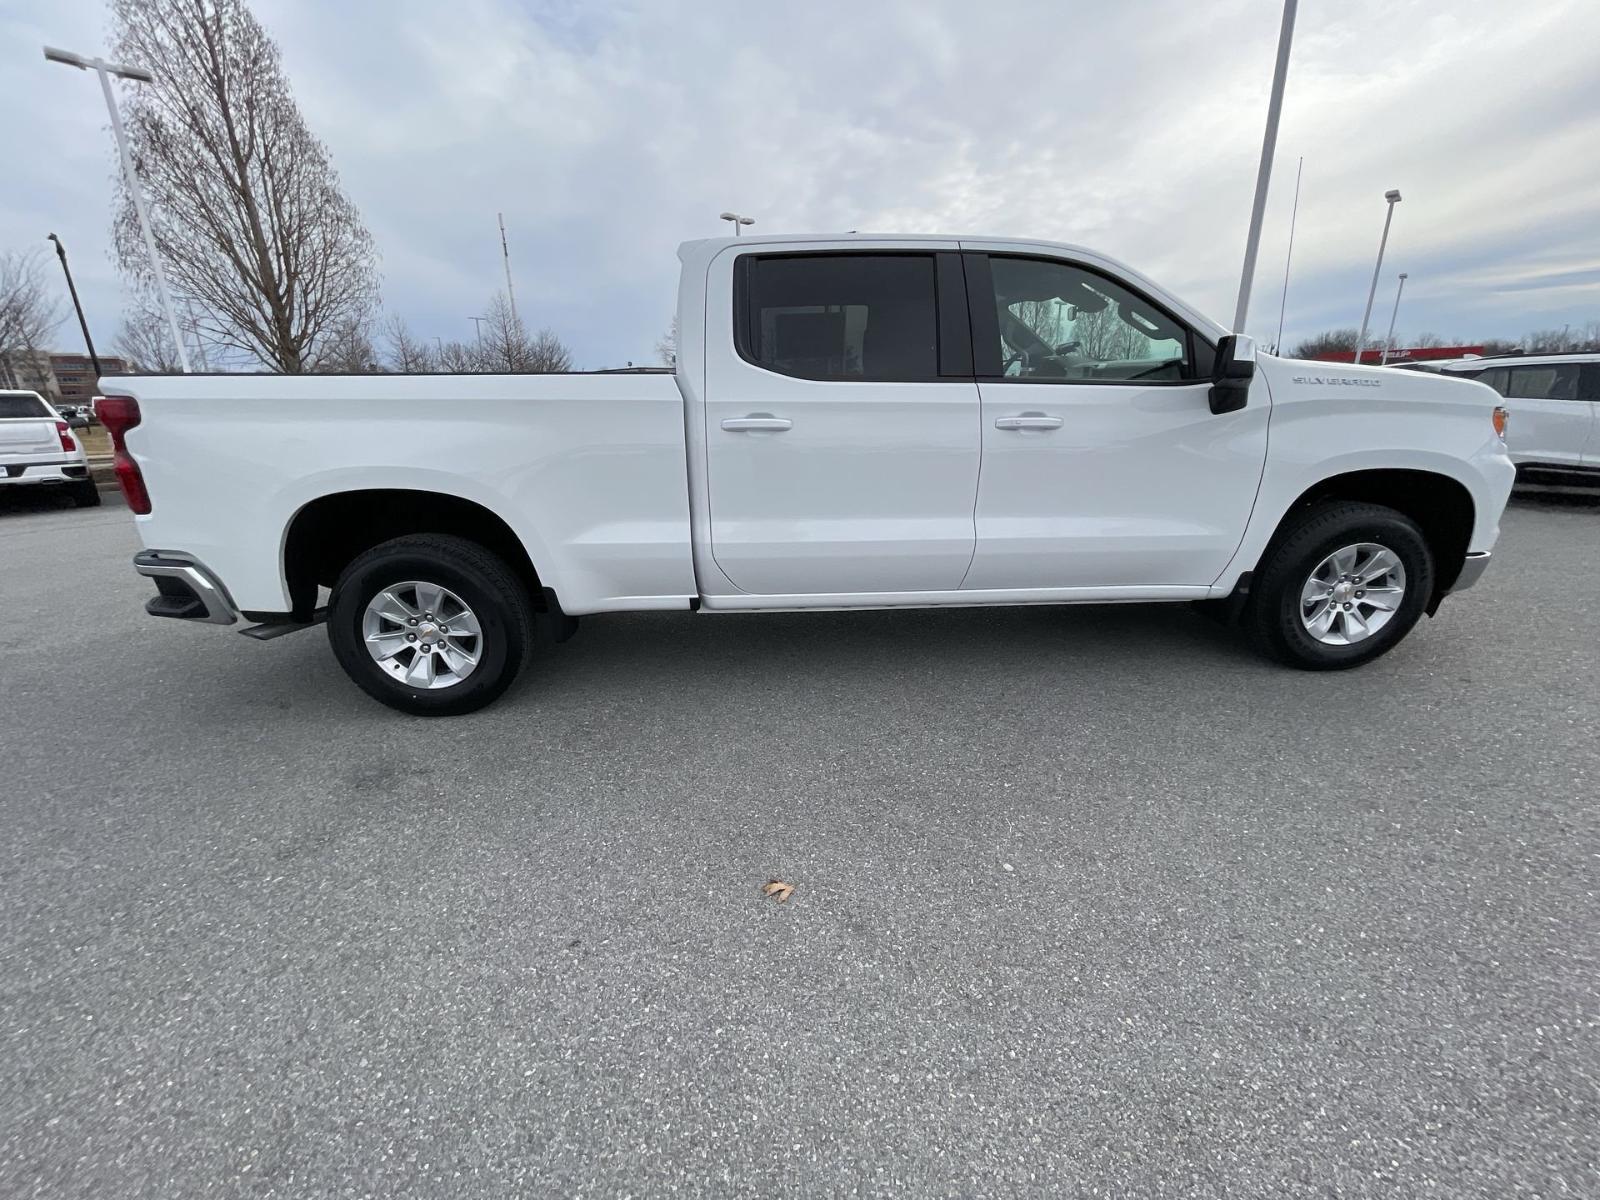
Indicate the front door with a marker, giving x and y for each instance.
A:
(842, 425)
(1103, 465)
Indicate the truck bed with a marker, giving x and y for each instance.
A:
(588, 470)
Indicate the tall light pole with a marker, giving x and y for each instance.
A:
(1393, 197)
(1269, 145)
(105, 70)
(1389, 341)
(61, 252)
(737, 220)
(477, 323)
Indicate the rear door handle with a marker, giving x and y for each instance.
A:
(1029, 421)
(772, 424)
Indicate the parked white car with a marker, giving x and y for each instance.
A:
(1554, 401)
(38, 448)
(854, 422)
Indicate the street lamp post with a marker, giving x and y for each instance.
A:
(1389, 341)
(105, 70)
(1269, 145)
(477, 323)
(1393, 197)
(61, 253)
(737, 220)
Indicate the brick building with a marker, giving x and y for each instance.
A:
(74, 375)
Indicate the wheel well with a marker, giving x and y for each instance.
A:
(329, 532)
(1441, 506)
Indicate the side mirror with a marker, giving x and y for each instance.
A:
(1230, 378)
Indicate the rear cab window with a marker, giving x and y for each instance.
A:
(22, 406)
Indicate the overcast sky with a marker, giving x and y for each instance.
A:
(609, 132)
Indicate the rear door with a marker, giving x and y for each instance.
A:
(27, 428)
(842, 421)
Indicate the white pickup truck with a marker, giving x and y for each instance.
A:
(853, 422)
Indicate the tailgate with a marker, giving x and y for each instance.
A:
(28, 438)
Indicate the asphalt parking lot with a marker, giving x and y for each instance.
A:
(1088, 902)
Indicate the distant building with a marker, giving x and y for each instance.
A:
(29, 371)
(59, 378)
(74, 376)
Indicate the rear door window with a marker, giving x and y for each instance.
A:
(14, 406)
(842, 316)
(1558, 382)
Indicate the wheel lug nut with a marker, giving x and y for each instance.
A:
(1347, 607)
(411, 637)
(412, 621)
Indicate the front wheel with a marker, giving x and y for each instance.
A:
(1340, 586)
(432, 625)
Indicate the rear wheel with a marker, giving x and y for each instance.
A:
(85, 494)
(1340, 586)
(432, 624)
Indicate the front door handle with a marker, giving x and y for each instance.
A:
(1028, 421)
(771, 424)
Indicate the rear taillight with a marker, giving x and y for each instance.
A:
(120, 414)
(1501, 419)
(64, 432)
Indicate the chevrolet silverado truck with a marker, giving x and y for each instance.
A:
(853, 422)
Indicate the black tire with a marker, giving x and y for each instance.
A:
(1272, 617)
(481, 579)
(86, 494)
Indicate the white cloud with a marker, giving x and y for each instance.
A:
(608, 134)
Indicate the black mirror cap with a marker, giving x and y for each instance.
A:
(1236, 358)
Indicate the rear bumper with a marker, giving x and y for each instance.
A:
(187, 590)
(56, 470)
(1475, 564)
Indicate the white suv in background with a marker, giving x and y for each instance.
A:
(1554, 402)
(38, 447)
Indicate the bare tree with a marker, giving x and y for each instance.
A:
(507, 349)
(407, 355)
(347, 350)
(1326, 343)
(667, 345)
(550, 355)
(248, 216)
(146, 341)
(458, 358)
(28, 317)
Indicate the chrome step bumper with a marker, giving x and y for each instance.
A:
(188, 591)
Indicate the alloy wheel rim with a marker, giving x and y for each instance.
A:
(1352, 594)
(422, 634)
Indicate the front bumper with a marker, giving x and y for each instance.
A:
(187, 590)
(1472, 569)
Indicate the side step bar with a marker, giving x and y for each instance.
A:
(265, 633)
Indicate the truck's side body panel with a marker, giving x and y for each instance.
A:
(588, 470)
(1333, 419)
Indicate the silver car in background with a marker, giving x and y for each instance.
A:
(37, 447)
